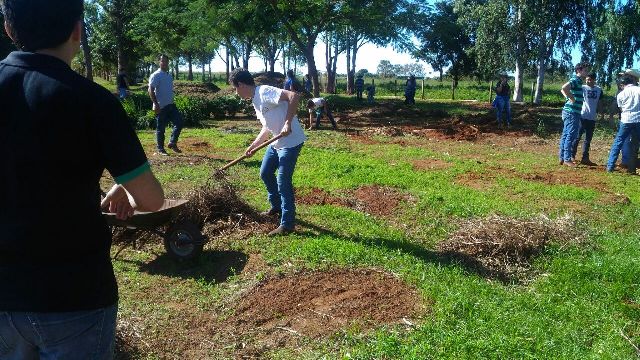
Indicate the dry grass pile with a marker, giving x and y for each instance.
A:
(503, 248)
(217, 208)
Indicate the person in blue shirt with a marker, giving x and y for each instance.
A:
(288, 83)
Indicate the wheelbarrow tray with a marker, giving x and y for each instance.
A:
(149, 220)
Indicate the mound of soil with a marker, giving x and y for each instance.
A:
(196, 89)
(270, 78)
(282, 311)
(503, 248)
(371, 199)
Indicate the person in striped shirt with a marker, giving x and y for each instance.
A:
(571, 113)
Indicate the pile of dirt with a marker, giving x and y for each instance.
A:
(284, 311)
(269, 78)
(380, 201)
(196, 89)
(502, 247)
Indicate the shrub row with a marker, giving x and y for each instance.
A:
(195, 110)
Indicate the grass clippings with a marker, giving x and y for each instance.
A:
(503, 248)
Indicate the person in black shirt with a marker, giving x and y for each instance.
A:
(123, 84)
(501, 102)
(58, 133)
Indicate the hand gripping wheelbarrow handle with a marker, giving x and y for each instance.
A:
(264, 144)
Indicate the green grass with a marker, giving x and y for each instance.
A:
(574, 309)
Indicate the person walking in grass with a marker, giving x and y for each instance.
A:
(501, 102)
(629, 103)
(592, 95)
(319, 106)
(161, 93)
(58, 133)
(123, 84)
(627, 153)
(571, 114)
(371, 93)
(359, 84)
(276, 109)
(410, 90)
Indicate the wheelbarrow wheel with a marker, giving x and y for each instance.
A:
(184, 241)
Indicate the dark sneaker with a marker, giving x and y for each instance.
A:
(280, 230)
(174, 147)
(588, 162)
(270, 212)
(561, 161)
(162, 152)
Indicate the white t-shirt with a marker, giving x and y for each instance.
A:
(272, 112)
(161, 83)
(629, 104)
(590, 104)
(318, 102)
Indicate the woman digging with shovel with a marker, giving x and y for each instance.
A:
(276, 109)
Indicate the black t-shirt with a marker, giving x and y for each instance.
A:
(58, 132)
(505, 91)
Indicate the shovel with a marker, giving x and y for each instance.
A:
(264, 144)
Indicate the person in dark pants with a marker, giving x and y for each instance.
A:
(501, 102)
(58, 133)
(123, 84)
(629, 103)
(319, 106)
(359, 84)
(161, 93)
(410, 90)
(592, 94)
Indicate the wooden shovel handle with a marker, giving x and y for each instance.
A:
(264, 144)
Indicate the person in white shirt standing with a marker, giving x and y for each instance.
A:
(276, 109)
(161, 93)
(592, 94)
(629, 103)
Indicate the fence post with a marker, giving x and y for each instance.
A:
(453, 89)
(491, 92)
(532, 90)
(422, 88)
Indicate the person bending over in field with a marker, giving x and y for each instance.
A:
(58, 133)
(319, 106)
(276, 109)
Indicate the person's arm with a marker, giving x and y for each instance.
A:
(142, 193)
(262, 137)
(152, 95)
(566, 91)
(293, 99)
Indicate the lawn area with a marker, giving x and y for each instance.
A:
(375, 201)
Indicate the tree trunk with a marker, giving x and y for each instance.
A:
(86, 50)
(520, 45)
(311, 66)
(226, 62)
(542, 64)
(350, 81)
(204, 65)
(440, 71)
(190, 66)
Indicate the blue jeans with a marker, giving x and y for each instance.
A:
(624, 132)
(502, 104)
(168, 114)
(569, 134)
(122, 93)
(319, 112)
(280, 189)
(626, 152)
(69, 335)
(586, 127)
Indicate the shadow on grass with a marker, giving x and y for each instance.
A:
(211, 266)
(448, 259)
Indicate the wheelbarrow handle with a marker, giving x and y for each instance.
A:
(264, 144)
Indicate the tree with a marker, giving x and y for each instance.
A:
(385, 69)
(444, 43)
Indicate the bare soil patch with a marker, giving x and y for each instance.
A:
(196, 89)
(374, 200)
(285, 311)
(430, 164)
(503, 248)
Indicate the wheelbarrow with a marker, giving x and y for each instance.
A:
(183, 240)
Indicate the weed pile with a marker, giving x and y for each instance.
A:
(217, 208)
(503, 248)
